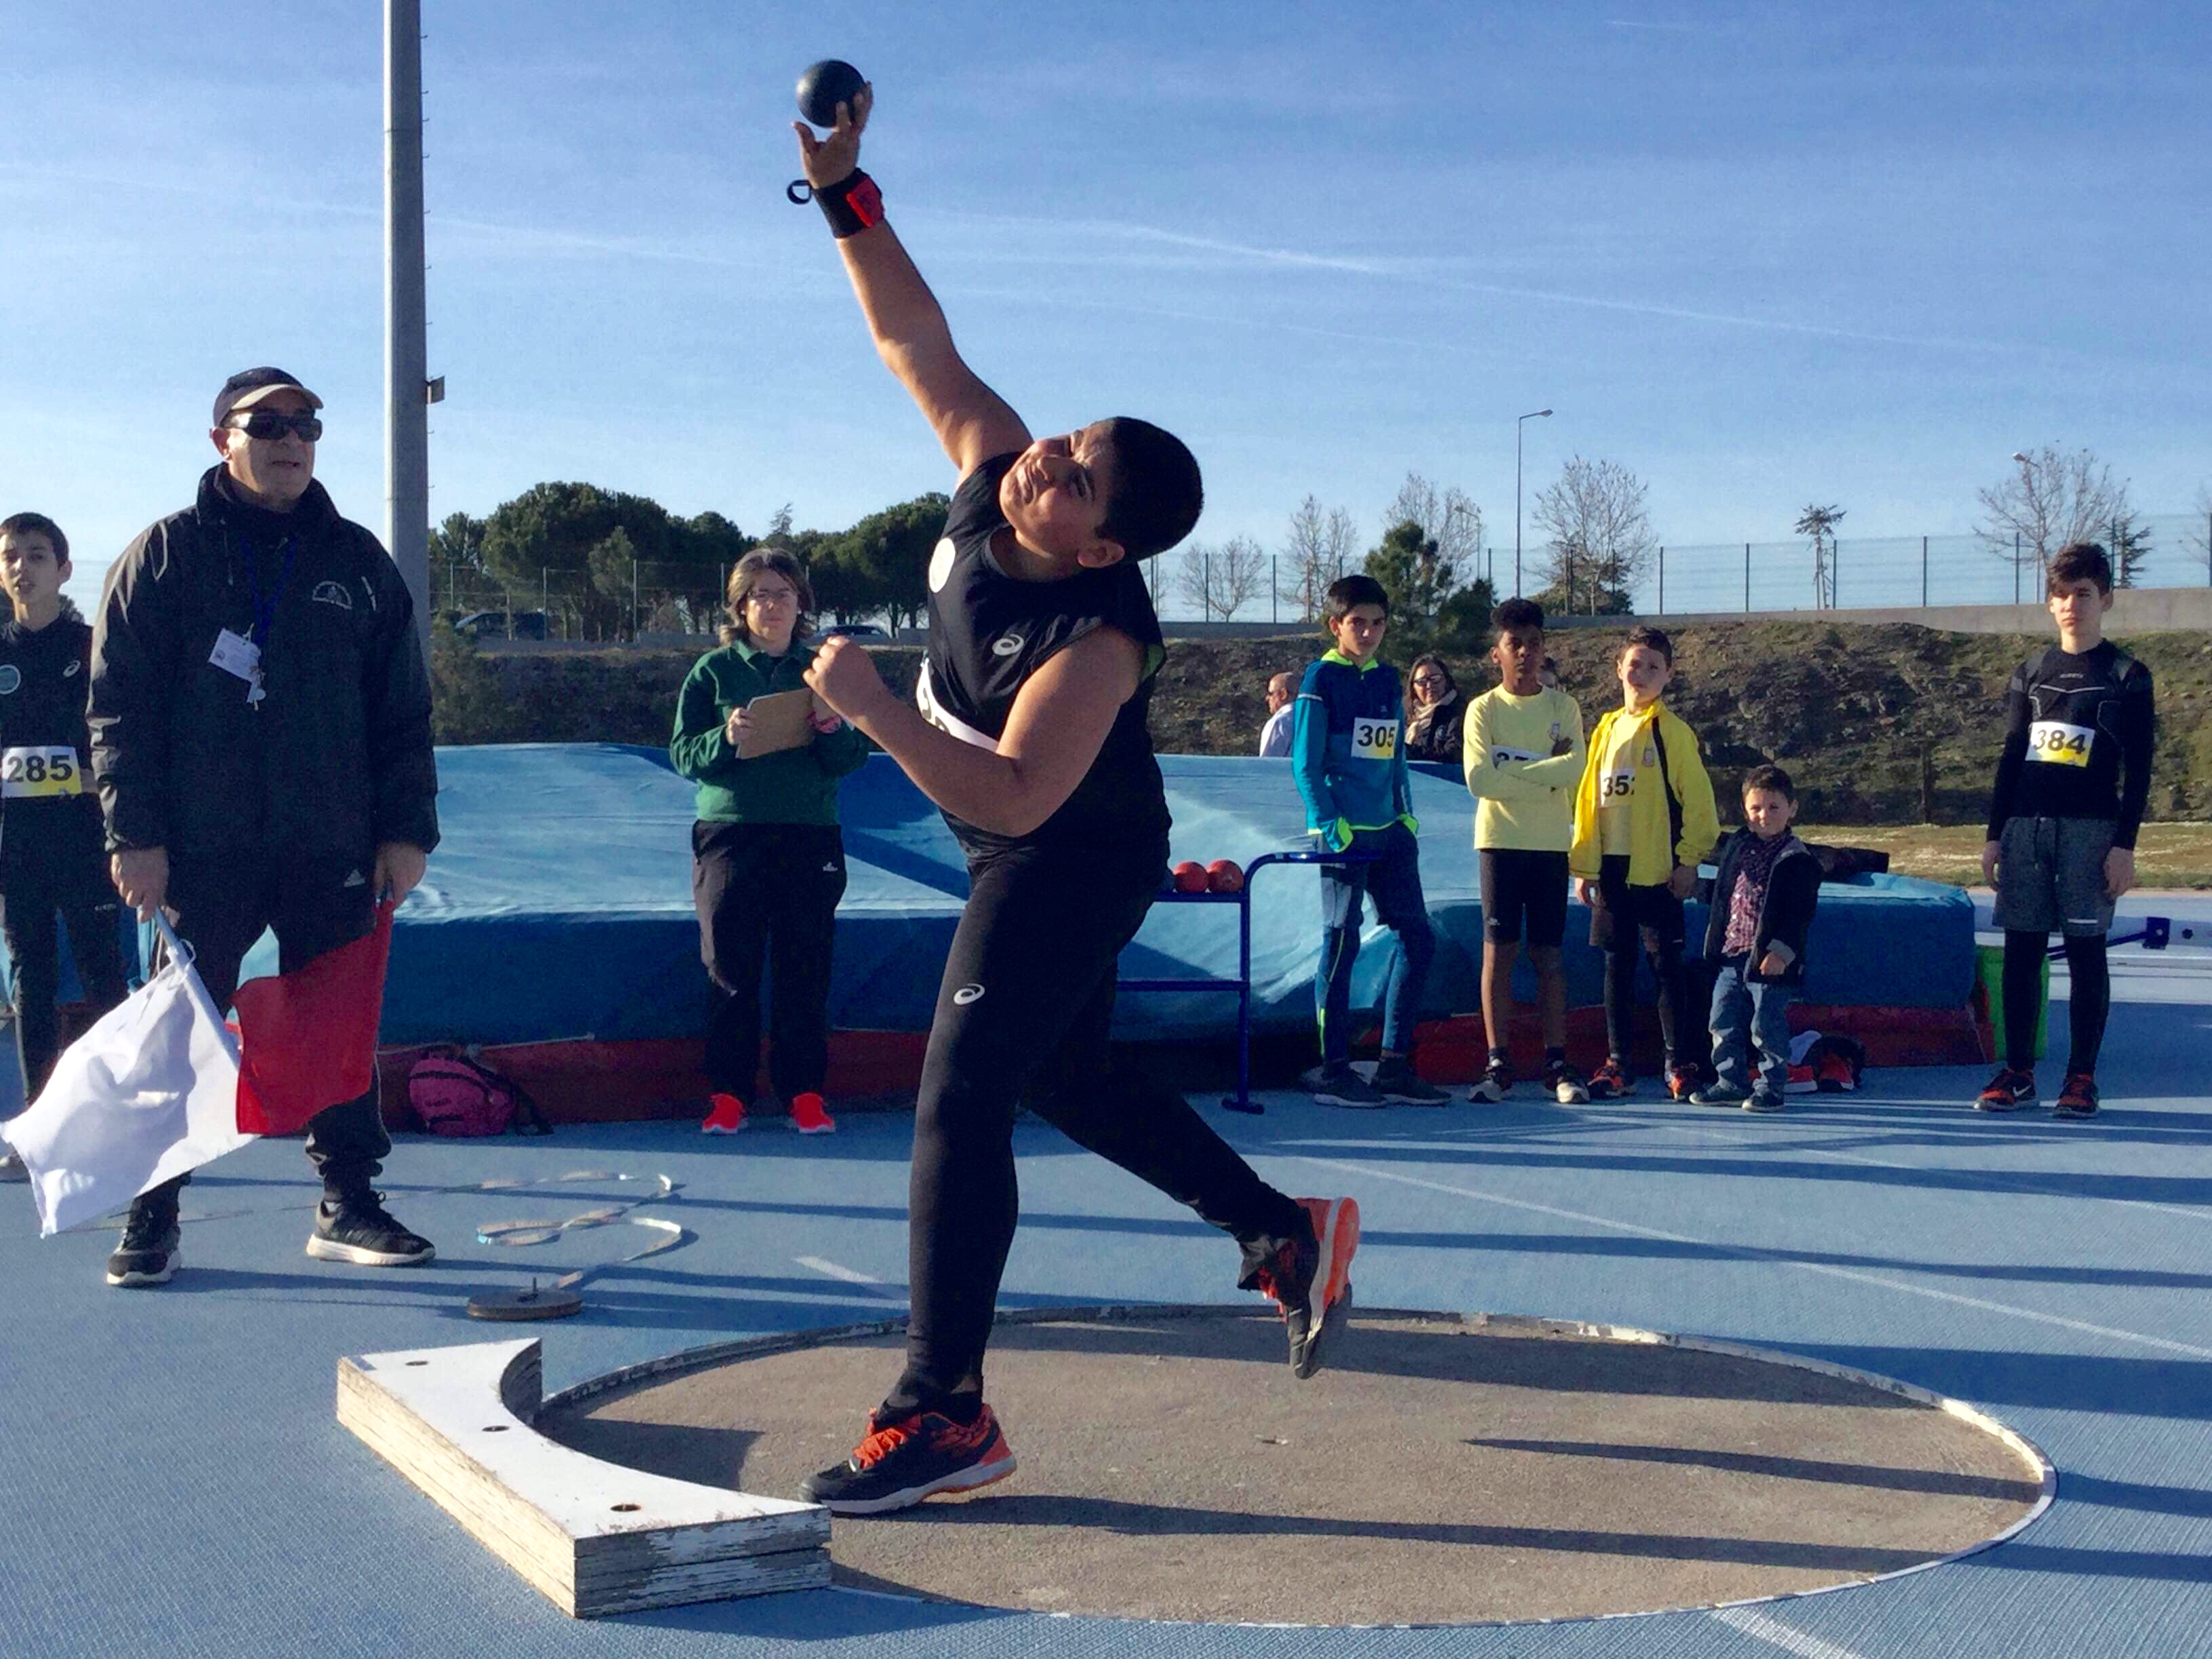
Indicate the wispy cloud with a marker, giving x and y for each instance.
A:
(1423, 273)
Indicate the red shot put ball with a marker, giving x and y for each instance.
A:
(1225, 876)
(1190, 877)
(824, 86)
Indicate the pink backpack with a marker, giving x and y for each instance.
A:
(452, 1095)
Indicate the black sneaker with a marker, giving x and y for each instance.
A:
(1721, 1092)
(1763, 1100)
(357, 1228)
(1321, 1262)
(2008, 1091)
(1496, 1082)
(148, 1253)
(1340, 1085)
(12, 1167)
(899, 1464)
(1395, 1081)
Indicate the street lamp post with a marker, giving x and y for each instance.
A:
(2027, 504)
(1534, 413)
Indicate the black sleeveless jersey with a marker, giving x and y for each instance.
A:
(988, 632)
(2078, 738)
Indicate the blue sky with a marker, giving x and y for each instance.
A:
(1763, 255)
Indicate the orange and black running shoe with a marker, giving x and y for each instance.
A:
(2008, 1091)
(1311, 1282)
(899, 1463)
(1612, 1081)
(1681, 1082)
(2078, 1098)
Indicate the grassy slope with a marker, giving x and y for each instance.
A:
(1851, 710)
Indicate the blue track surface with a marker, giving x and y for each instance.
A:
(175, 1482)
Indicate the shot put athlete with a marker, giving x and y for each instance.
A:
(1028, 732)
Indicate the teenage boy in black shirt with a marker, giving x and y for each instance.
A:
(52, 859)
(2072, 780)
(1029, 731)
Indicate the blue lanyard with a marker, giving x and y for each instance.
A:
(265, 604)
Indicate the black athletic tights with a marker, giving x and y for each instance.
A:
(2090, 1003)
(1666, 968)
(1027, 998)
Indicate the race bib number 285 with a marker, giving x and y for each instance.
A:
(2057, 743)
(32, 772)
(1375, 739)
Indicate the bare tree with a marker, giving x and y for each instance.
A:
(2201, 542)
(1819, 523)
(1220, 580)
(2052, 497)
(1600, 530)
(1448, 517)
(1320, 548)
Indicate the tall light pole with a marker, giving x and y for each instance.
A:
(406, 377)
(1535, 414)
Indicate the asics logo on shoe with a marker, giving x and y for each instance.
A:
(966, 995)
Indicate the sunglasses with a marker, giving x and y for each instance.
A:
(267, 424)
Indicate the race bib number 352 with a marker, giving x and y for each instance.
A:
(1375, 739)
(2057, 743)
(33, 772)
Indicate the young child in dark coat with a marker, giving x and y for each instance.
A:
(1763, 902)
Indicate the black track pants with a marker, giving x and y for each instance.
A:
(768, 891)
(1027, 998)
(223, 904)
(35, 888)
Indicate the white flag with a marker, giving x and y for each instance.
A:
(147, 1094)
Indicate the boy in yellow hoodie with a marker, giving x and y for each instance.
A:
(1644, 816)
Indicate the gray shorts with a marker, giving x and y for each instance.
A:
(2051, 876)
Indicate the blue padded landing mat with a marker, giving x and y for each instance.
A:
(559, 905)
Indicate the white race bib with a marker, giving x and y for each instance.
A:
(1375, 739)
(34, 772)
(2058, 743)
(1616, 786)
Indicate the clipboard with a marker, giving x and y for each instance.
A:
(780, 720)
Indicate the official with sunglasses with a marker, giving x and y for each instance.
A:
(260, 722)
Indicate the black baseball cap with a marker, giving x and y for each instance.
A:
(250, 386)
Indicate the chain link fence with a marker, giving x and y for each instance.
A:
(659, 598)
(2171, 551)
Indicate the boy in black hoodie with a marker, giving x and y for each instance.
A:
(1763, 902)
(51, 859)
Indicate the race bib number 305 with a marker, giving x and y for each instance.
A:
(33, 772)
(1375, 739)
(2057, 743)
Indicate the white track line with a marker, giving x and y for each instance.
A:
(846, 1275)
(1780, 1258)
(1778, 1634)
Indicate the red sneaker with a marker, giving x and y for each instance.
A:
(1312, 1284)
(808, 1117)
(726, 1117)
(1681, 1082)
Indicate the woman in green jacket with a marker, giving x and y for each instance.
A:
(768, 863)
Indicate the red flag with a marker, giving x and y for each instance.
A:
(309, 1037)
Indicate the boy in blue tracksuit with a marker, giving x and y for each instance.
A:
(1348, 753)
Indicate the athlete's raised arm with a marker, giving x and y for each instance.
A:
(971, 420)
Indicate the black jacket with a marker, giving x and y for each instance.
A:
(338, 756)
(1793, 891)
(42, 691)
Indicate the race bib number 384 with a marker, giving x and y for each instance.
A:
(32, 772)
(2057, 743)
(1375, 739)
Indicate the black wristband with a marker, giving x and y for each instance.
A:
(850, 205)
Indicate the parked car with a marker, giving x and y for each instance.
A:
(501, 625)
(867, 633)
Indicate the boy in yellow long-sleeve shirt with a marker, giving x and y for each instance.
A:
(1644, 816)
(1523, 752)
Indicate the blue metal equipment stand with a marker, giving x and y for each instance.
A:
(1241, 1101)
